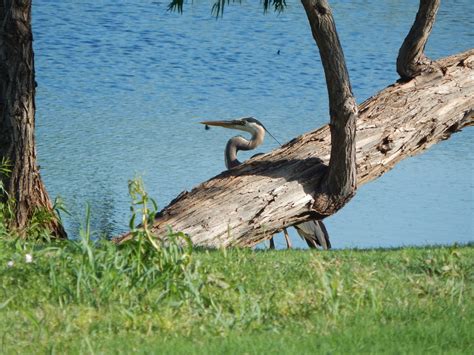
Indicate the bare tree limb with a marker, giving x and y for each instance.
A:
(340, 184)
(411, 60)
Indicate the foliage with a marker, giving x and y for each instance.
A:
(40, 217)
(6, 205)
(5, 170)
(92, 271)
(219, 5)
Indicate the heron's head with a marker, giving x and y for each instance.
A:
(247, 124)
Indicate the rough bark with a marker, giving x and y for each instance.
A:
(339, 185)
(17, 115)
(411, 59)
(250, 203)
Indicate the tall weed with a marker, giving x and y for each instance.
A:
(143, 272)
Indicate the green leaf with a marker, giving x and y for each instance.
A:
(176, 5)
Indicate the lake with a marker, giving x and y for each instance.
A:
(121, 87)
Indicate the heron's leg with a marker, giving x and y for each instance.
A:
(326, 243)
(287, 238)
(311, 243)
(272, 243)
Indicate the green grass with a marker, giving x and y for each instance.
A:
(162, 296)
(81, 297)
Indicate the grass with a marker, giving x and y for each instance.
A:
(413, 300)
(148, 296)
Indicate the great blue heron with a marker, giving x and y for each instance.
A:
(313, 232)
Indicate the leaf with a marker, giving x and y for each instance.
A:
(4, 304)
(176, 5)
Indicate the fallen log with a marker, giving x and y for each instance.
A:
(250, 203)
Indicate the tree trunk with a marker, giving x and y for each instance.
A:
(248, 204)
(17, 116)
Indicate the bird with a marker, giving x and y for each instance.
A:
(313, 232)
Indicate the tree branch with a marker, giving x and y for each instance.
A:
(411, 60)
(340, 183)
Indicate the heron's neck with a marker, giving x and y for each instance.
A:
(240, 143)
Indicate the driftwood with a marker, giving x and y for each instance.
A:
(250, 203)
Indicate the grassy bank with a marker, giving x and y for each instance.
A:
(81, 297)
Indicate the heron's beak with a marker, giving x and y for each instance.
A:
(225, 124)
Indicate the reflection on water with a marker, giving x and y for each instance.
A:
(121, 88)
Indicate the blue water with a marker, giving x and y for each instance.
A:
(122, 85)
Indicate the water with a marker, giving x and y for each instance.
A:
(121, 87)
